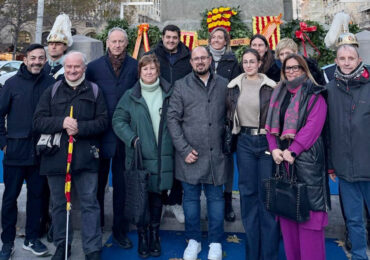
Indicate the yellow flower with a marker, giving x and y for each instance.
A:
(228, 24)
(209, 20)
(227, 8)
(214, 17)
(227, 16)
(215, 11)
(221, 9)
(209, 13)
(234, 12)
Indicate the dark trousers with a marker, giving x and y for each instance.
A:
(14, 177)
(104, 166)
(85, 185)
(120, 224)
(45, 215)
(261, 228)
(175, 196)
(154, 208)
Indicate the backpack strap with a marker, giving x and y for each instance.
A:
(56, 85)
(95, 89)
(55, 88)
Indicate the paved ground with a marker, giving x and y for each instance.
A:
(334, 230)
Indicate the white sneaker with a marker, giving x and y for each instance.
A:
(178, 211)
(192, 250)
(215, 251)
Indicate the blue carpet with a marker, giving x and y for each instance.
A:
(173, 245)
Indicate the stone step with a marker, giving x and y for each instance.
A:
(335, 228)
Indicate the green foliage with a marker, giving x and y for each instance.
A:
(154, 34)
(238, 51)
(326, 56)
(238, 28)
(353, 28)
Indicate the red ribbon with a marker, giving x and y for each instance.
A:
(300, 34)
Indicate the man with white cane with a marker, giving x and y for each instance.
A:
(53, 119)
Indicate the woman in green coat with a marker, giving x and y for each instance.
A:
(141, 116)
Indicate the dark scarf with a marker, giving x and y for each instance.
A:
(356, 73)
(291, 115)
(117, 61)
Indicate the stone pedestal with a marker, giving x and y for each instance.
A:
(92, 48)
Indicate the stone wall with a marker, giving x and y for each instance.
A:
(186, 14)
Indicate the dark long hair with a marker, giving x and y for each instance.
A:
(268, 58)
(301, 62)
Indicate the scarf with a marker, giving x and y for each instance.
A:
(217, 54)
(117, 61)
(74, 84)
(291, 115)
(356, 73)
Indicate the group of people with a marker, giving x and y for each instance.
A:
(175, 104)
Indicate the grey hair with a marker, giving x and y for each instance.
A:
(84, 59)
(351, 46)
(117, 29)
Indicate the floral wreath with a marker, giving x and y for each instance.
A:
(220, 17)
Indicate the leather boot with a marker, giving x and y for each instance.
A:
(229, 211)
(154, 241)
(143, 247)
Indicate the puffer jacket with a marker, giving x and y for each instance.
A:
(132, 119)
(309, 166)
(228, 66)
(349, 127)
(234, 87)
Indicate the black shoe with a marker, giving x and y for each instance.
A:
(93, 256)
(123, 242)
(35, 246)
(143, 247)
(229, 211)
(7, 251)
(154, 241)
(60, 252)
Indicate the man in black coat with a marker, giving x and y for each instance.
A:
(115, 73)
(174, 59)
(349, 140)
(18, 100)
(87, 122)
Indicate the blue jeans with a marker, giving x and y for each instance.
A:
(254, 165)
(354, 194)
(215, 209)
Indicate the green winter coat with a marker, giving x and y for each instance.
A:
(131, 119)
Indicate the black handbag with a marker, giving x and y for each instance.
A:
(285, 196)
(229, 140)
(136, 182)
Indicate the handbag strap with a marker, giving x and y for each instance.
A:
(138, 160)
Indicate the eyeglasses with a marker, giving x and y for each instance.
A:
(294, 68)
(202, 58)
